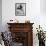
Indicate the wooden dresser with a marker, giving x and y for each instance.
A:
(22, 33)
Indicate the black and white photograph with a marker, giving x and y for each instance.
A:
(20, 9)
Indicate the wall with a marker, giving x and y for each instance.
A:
(8, 11)
(43, 6)
(32, 14)
(43, 13)
(35, 13)
(0, 15)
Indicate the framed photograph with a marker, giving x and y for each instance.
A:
(20, 9)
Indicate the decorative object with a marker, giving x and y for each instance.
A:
(27, 21)
(13, 21)
(20, 9)
(45, 35)
(41, 36)
(7, 38)
(1, 40)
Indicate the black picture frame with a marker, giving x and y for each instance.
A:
(20, 9)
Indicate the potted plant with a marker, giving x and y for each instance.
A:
(41, 36)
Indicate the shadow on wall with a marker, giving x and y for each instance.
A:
(43, 6)
(0, 15)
